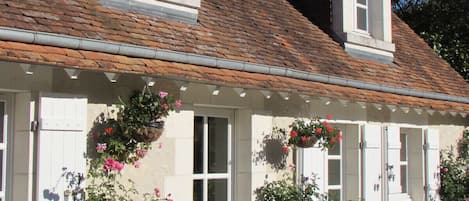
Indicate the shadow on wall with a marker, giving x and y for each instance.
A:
(273, 150)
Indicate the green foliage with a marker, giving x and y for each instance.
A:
(443, 24)
(454, 171)
(121, 142)
(287, 190)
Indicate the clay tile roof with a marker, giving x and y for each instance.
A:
(265, 32)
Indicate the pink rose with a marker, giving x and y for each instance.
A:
(178, 103)
(163, 94)
(118, 166)
(165, 106)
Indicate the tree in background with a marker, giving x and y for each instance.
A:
(443, 24)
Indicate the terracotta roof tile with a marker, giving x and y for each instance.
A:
(14, 51)
(267, 32)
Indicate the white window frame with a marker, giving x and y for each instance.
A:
(405, 163)
(205, 176)
(341, 169)
(355, 15)
(7, 129)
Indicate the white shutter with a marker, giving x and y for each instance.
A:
(394, 159)
(351, 162)
(62, 143)
(313, 161)
(432, 163)
(372, 186)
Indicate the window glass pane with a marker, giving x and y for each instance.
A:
(403, 147)
(334, 150)
(217, 145)
(334, 195)
(363, 2)
(404, 178)
(334, 172)
(362, 19)
(198, 190)
(2, 114)
(217, 190)
(198, 145)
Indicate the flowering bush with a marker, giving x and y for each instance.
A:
(307, 133)
(286, 189)
(124, 141)
(454, 172)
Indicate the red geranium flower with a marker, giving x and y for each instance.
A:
(108, 131)
(333, 140)
(318, 130)
(293, 133)
(329, 128)
(304, 138)
(329, 116)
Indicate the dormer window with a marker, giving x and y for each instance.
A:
(364, 28)
(361, 15)
(177, 10)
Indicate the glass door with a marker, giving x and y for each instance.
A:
(212, 158)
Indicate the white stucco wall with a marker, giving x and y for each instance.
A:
(170, 167)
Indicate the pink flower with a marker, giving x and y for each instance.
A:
(333, 140)
(168, 197)
(160, 145)
(178, 103)
(329, 116)
(165, 106)
(100, 147)
(285, 149)
(137, 164)
(111, 164)
(157, 192)
(303, 138)
(163, 94)
(118, 166)
(141, 152)
(445, 170)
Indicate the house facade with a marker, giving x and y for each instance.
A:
(240, 68)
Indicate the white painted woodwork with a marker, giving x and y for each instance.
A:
(415, 140)
(351, 162)
(3, 148)
(432, 163)
(314, 162)
(62, 143)
(394, 148)
(372, 185)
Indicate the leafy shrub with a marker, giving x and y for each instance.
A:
(287, 190)
(454, 171)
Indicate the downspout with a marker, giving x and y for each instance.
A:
(65, 41)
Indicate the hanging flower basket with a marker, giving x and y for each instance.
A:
(305, 134)
(308, 143)
(152, 132)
